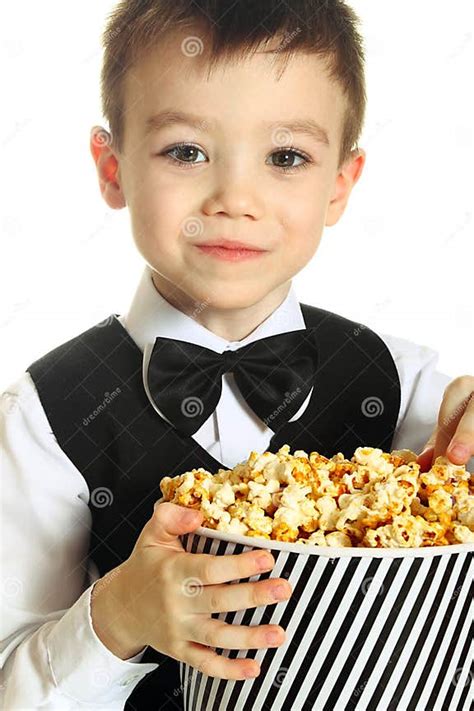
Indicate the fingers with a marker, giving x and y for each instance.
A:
(167, 523)
(425, 459)
(216, 633)
(210, 569)
(455, 403)
(431, 442)
(213, 664)
(230, 598)
(461, 447)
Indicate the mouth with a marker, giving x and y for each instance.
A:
(230, 255)
(230, 250)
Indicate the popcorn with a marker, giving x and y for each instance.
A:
(375, 499)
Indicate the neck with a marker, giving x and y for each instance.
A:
(230, 324)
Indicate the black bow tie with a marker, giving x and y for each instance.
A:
(274, 375)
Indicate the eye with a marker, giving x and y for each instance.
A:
(285, 152)
(188, 150)
(182, 148)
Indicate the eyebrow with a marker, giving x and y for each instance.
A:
(305, 126)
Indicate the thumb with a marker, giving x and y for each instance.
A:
(168, 522)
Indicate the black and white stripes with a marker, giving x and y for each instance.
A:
(366, 629)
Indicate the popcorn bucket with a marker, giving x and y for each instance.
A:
(377, 629)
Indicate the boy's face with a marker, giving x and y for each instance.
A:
(230, 183)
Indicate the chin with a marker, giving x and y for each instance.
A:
(229, 298)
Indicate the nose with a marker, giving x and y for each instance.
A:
(236, 195)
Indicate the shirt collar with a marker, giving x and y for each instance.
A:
(151, 315)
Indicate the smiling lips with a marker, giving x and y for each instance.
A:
(230, 250)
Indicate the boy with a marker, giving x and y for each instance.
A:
(143, 396)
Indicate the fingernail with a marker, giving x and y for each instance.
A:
(280, 592)
(264, 562)
(459, 451)
(251, 673)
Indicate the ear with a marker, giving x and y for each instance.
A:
(347, 177)
(108, 169)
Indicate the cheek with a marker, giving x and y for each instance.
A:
(160, 204)
(159, 216)
(302, 226)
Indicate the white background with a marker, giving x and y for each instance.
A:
(400, 260)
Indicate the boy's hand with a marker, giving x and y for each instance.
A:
(164, 597)
(454, 434)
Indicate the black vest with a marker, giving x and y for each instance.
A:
(92, 392)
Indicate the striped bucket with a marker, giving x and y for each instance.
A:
(378, 629)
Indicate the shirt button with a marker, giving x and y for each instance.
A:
(129, 680)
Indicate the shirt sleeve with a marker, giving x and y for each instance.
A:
(422, 390)
(51, 657)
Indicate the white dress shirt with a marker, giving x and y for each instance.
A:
(51, 657)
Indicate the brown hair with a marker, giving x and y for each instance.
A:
(327, 28)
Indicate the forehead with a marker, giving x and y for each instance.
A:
(239, 94)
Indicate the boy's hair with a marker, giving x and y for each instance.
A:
(327, 28)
